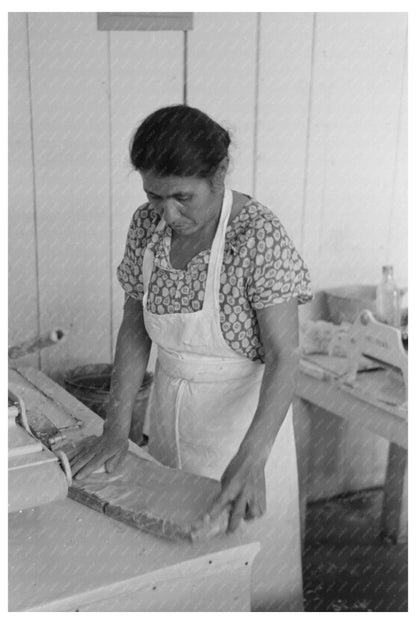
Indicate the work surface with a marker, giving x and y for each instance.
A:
(65, 556)
(376, 401)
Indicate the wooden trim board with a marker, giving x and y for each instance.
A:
(145, 21)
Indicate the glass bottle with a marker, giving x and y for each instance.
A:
(388, 299)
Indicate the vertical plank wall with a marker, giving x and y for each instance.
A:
(397, 231)
(23, 286)
(68, 67)
(316, 104)
(357, 78)
(224, 88)
(151, 78)
(285, 65)
(356, 93)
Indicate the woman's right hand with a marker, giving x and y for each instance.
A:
(130, 361)
(108, 450)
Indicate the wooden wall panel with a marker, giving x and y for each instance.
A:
(221, 82)
(357, 75)
(282, 115)
(23, 318)
(398, 223)
(146, 74)
(317, 110)
(71, 141)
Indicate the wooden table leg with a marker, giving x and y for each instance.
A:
(394, 516)
(302, 430)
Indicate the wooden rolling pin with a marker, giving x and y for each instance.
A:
(35, 344)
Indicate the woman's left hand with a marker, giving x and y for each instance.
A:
(243, 490)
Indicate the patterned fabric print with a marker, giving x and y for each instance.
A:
(260, 267)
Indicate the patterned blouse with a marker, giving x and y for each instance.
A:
(260, 267)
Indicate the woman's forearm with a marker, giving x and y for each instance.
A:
(130, 362)
(276, 394)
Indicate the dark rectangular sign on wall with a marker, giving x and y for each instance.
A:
(145, 21)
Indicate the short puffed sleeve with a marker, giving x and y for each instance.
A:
(129, 271)
(277, 271)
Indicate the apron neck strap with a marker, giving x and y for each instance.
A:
(211, 298)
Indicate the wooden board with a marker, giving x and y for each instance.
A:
(20, 442)
(71, 162)
(42, 395)
(222, 83)
(379, 389)
(41, 404)
(118, 568)
(145, 73)
(227, 588)
(353, 406)
(394, 522)
(163, 501)
(335, 366)
(22, 283)
(282, 115)
(34, 474)
(357, 81)
(398, 224)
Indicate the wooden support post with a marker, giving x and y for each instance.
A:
(394, 516)
(302, 430)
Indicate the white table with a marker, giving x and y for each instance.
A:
(64, 556)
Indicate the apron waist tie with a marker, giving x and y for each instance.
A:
(206, 369)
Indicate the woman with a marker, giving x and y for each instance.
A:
(212, 278)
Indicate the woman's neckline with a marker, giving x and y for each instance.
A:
(167, 238)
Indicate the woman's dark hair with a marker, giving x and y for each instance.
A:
(179, 140)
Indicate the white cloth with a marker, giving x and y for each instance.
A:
(204, 398)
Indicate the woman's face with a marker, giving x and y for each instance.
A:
(187, 204)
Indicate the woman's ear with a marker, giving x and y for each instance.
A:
(220, 173)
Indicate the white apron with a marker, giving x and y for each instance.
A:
(203, 400)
